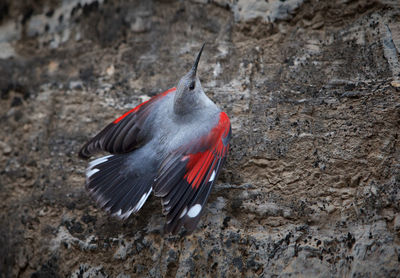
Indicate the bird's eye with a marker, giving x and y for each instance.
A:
(192, 85)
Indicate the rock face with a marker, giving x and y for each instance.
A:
(311, 187)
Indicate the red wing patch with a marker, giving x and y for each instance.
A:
(187, 176)
(140, 105)
(200, 162)
(125, 133)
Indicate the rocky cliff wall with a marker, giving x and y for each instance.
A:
(311, 185)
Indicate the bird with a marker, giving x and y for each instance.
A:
(173, 145)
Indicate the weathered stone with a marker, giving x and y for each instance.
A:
(397, 222)
(6, 149)
(311, 184)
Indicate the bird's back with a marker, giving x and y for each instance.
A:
(170, 131)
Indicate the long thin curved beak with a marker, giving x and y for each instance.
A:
(196, 63)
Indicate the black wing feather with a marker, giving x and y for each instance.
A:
(179, 192)
(126, 133)
(119, 191)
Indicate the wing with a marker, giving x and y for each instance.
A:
(125, 133)
(186, 177)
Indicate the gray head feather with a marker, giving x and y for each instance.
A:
(189, 90)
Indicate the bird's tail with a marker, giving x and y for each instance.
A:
(120, 191)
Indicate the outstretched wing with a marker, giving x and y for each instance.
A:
(125, 133)
(186, 177)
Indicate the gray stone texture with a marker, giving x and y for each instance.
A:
(311, 187)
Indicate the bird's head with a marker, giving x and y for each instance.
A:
(189, 86)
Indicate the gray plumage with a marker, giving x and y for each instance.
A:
(174, 145)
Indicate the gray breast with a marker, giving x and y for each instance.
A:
(174, 131)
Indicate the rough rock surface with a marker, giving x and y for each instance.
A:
(312, 184)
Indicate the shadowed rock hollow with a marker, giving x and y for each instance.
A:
(311, 187)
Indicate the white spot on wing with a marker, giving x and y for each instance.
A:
(142, 200)
(167, 208)
(91, 172)
(194, 210)
(136, 208)
(99, 160)
(183, 213)
(126, 214)
(103, 202)
(212, 176)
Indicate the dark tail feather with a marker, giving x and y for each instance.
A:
(117, 190)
